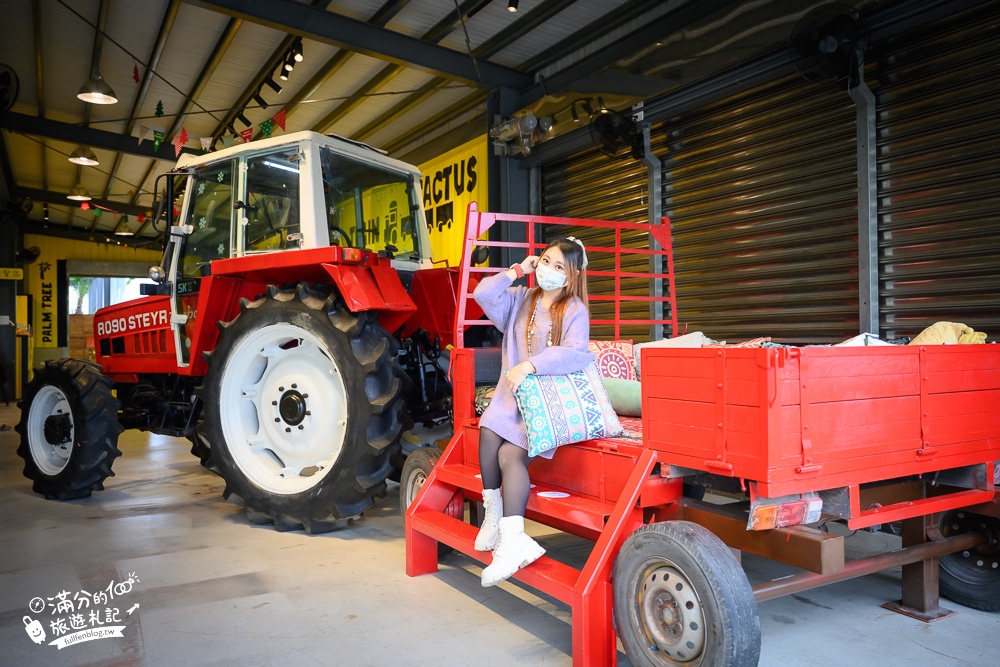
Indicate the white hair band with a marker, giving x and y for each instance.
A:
(583, 263)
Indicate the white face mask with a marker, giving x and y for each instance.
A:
(549, 279)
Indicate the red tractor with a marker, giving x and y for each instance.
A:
(292, 334)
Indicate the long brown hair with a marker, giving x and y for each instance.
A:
(576, 286)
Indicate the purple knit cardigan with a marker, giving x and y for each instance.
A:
(502, 302)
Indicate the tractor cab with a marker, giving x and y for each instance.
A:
(302, 191)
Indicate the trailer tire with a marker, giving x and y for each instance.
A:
(972, 577)
(303, 408)
(69, 429)
(681, 598)
(416, 470)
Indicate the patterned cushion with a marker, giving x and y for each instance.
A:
(560, 409)
(483, 397)
(753, 342)
(614, 358)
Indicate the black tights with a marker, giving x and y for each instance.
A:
(499, 461)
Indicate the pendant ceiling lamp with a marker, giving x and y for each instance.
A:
(78, 194)
(84, 156)
(97, 90)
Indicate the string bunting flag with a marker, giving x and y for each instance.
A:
(179, 140)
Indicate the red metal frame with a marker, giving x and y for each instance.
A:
(479, 223)
(785, 421)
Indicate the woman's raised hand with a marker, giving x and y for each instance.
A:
(515, 376)
(529, 263)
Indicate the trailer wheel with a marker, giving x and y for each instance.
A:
(303, 408)
(69, 429)
(416, 470)
(681, 598)
(971, 577)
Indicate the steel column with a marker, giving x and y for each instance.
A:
(867, 205)
(654, 188)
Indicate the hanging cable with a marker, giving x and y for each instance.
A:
(468, 45)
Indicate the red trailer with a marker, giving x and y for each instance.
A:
(901, 436)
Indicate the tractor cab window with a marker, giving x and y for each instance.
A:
(210, 216)
(271, 209)
(369, 206)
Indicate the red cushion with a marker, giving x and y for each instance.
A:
(614, 358)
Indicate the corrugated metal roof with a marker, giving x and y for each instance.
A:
(544, 36)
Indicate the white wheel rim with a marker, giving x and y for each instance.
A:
(414, 485)
(51, 458)
(283, 408)
(671, 613)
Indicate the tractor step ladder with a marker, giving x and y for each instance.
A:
(611, 482)
(588, 591)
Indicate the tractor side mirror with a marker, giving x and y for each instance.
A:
(158, 276)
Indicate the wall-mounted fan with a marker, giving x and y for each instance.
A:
(29, 254)
(829, 41)
(9, 85)
(613, 131)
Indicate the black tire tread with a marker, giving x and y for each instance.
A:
(95, 418)
(323, 508)
(976, 590)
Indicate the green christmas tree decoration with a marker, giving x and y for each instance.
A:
(159, 108)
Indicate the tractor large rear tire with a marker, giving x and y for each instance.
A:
(304, 409)
(69, 429)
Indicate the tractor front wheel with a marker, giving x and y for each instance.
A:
(681, 598)
(303, 409)
(69, 429)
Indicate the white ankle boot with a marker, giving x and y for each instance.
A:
(486, 540)
(514, 550)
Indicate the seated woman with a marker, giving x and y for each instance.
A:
(546, 331)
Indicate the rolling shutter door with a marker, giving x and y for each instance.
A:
(761, 188)
(939, 175)
(593, 185)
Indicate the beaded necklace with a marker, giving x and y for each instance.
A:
(531, 328)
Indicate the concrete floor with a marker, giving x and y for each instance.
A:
(214, 590)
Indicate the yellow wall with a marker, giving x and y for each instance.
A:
(449, 183)
(41, 280)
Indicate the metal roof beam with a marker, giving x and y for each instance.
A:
(59, 198)
(147, 78)
(78, 234)
(495, 44)
(381, 17)
(221, 46)
(76, 134)
(565, 80)
(360, 37)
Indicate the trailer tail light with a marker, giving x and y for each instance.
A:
(768, 513)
